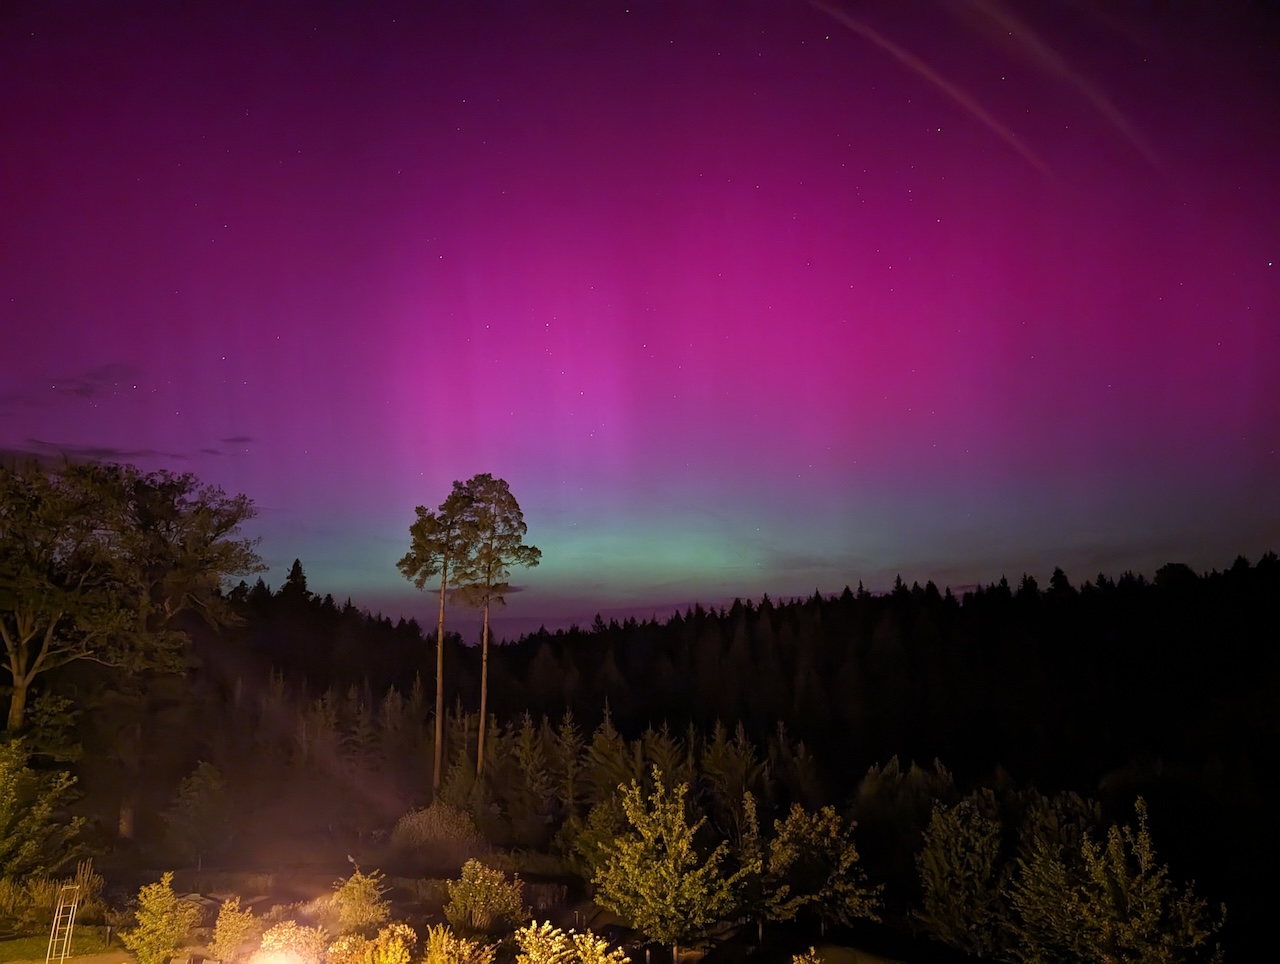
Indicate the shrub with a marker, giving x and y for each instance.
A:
(235, 932)
(358, 904)
(441, 835)
(445, 947)
(962, 876)
(482, 898)
(348, 949)
(393, 945)
(293, 943)
(1118, 904)
(164, 922)
(544, 944)
(34, 838)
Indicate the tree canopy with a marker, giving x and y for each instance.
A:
(97, 560)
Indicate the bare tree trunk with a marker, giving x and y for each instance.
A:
(131, 761)
(484, 692)
(437, 767)
(17, 705)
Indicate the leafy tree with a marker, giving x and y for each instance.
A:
(813, 865)
(439, 541)
(235, 931)
(1116, 905)
(96, 561)
(359, 904)
(482, 898)
(494, 529)
(962, 876)
(164, 922)
(656, 877)
(200, 815)
(33, 838)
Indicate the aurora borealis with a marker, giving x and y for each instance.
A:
(739, 298)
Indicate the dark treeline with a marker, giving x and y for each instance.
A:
(317, 719)
(1165, 687)
(1065, 684)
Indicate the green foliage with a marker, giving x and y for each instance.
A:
(358, 904)
(199, 817)
(165, 922)
(483, 900)
(348, 949)
(963, 875)
(34, 837)
(1117, 904)
(235, 932)
(393, 945)
(445, 947)
(50, 730)
(544, 944)
(27, 904)
(85, 941)
(810, 956)
(586, 845)
(566, 753)
(289, 942)
(96, 561)
(814, 870)
(655, 875)
(493, 528)
(443, 834)
(731, 769)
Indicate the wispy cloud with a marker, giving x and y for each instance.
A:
(1018, 36)
(952, 90)
(98, 453)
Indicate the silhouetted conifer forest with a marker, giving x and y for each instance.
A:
(318, 714)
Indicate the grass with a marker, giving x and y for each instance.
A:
(84, 940)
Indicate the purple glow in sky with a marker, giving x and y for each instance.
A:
(739, 298)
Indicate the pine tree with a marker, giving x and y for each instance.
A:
(656, 876)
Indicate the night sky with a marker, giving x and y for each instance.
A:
(739, 297)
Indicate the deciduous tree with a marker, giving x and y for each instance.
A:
(657, 877)
(97, 560)
(33, 840)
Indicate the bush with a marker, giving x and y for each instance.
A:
(235, 932)
(165, 922)
(963, 876)
(27, 906)
(358, 904)
(544, 944)
(482, 898)
(439, 835)
(393, 945)
(1116, 904)
(348, 949)
(291, 943)
(445, 947)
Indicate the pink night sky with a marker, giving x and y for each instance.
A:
(738, 297)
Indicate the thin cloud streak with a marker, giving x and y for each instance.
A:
(956, 93)
(1028, 43)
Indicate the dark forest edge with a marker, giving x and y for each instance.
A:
(280, 728)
